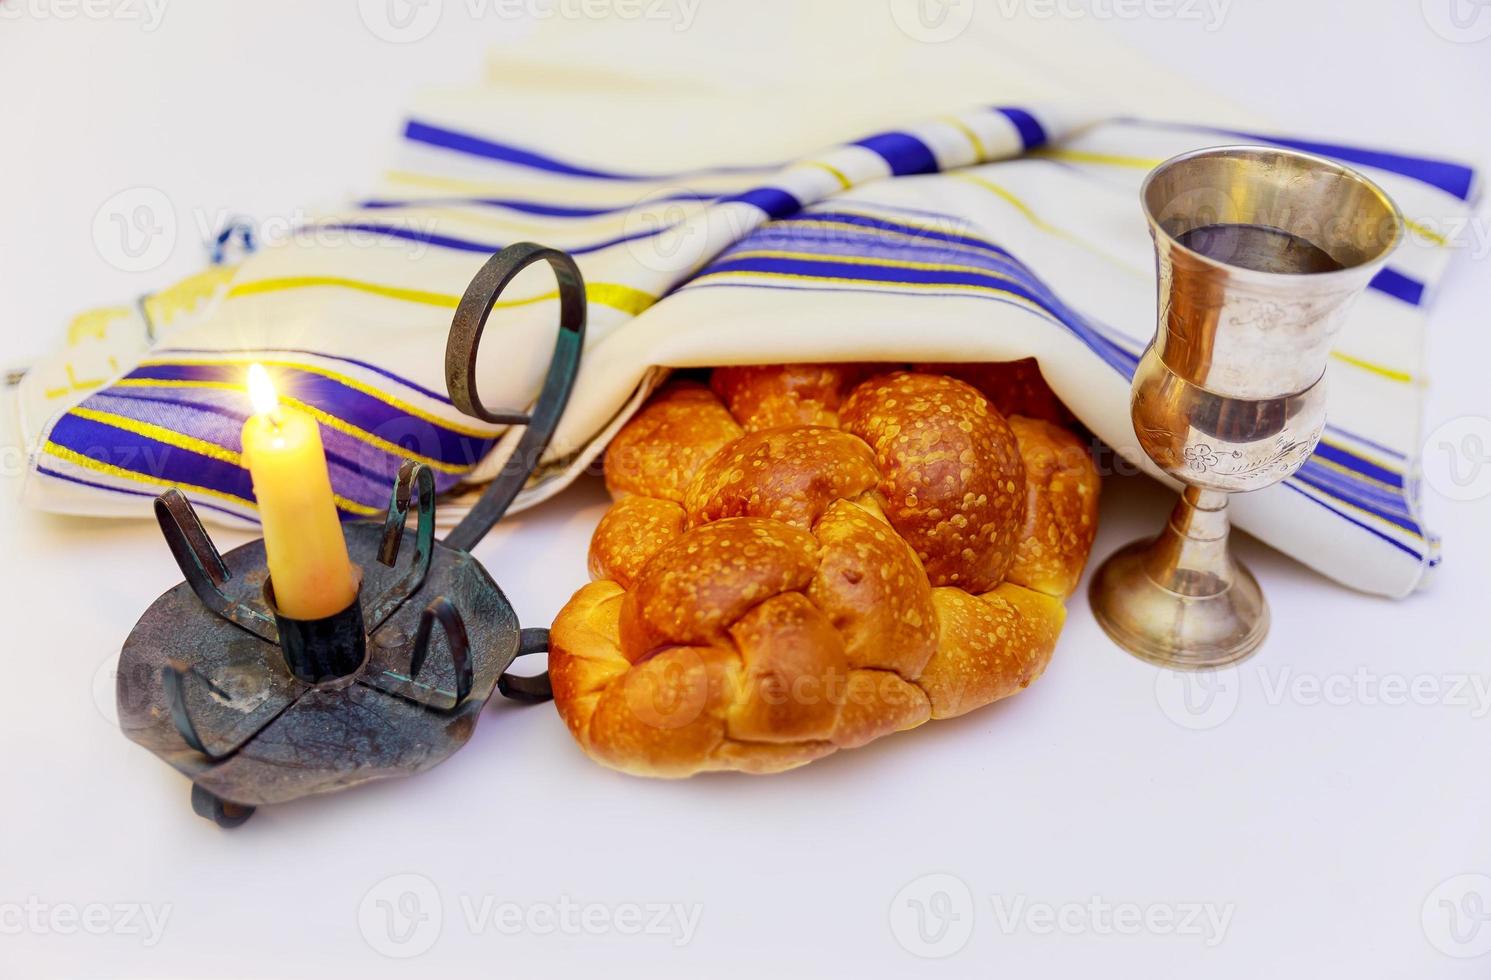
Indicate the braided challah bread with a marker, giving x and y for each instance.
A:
(804, 558)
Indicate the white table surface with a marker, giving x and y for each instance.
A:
(1304, 803)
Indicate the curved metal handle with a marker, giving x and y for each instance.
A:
(454, 626)
(414, 478)
(203, 566)
(460, 374)
(534, 689)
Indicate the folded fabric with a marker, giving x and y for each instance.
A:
(996, 233)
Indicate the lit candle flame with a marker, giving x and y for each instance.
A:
(261, 391)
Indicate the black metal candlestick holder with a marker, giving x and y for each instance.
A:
(256, 708)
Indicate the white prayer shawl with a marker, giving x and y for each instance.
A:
(870, 197)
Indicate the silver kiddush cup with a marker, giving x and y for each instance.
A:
(1260, 253)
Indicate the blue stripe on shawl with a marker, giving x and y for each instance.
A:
(902, 152)
(1032, 133)
(489, 149)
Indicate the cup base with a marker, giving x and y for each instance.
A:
(1173, 629)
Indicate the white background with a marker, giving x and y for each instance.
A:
(1325, 822)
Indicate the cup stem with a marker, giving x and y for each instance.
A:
(1181, 600)
(1190, 556)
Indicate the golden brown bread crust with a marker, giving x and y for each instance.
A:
(989, 646)
(1061, 508)
(657, 453)
(1015, 388)
(770, 593)
(790, 475)
(769, 396)
(633, 530)
(794, 673)
(872, 588)
(952, 481)
(695, 589)
(878, 703)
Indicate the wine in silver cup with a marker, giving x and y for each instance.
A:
(1261, 253)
